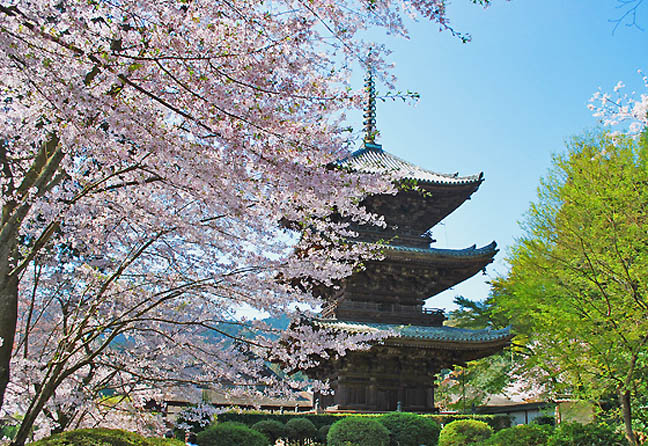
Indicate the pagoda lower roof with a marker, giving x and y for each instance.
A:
(372, 159)
(454, 335)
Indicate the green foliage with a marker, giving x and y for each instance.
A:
(465, 433)
(521, 435)
(231, 434)
(322, 432)
(408, 429)
(8, 431)
(573, 434)
(97, 437)
(301, 430)
(577, 292)
(166, 442)
(250, 417)
(476, 314)
(544, 420)
(357, 431)
(496, 422)
(272, 429)
(463, 388)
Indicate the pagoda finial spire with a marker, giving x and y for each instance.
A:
(370, 109)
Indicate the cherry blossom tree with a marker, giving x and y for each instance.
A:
(150, 151)
(627, 112)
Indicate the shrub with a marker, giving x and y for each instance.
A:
(574, 434)
(521, 435)
(357, 431)
(231, 434)
(249, 417)
(408, 429)
(8, 431)
(272, 429)
(165, 442)
(497, 422)
(465, 433)
(544, 420)
(322, 432)
(300, 430)
(94, 437)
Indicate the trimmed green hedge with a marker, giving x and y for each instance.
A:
(272, 429)
(301, 430)
(408, 429)
(250, 417)
(231, 434)
(322, 432)
(357, 431)
(103, 437)
(522, 435)
(465, 433)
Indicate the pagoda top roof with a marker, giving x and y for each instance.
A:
(424, 333)
(373, 159)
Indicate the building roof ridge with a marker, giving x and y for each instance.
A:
(372, 158)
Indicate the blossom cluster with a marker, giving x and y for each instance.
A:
(166, 164)
(619, 108)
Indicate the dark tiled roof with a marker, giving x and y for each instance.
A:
(471, 251)
(372, 159)
(448, 334)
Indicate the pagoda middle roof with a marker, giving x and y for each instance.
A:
(470, 252)
(416, 332)
(373, 159)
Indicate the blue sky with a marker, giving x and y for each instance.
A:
(503, 104)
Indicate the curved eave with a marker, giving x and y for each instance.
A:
(471, 253)
(426, 337)
(374, 160)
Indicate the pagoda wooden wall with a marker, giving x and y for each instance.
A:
(379, 379)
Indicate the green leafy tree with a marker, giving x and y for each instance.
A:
(574, 434)
(466, 387)
(577, 291)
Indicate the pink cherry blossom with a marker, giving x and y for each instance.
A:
(152, 154)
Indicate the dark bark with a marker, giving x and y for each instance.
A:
(41, 172)
(624, 398)
(8, 312)
(35, 408)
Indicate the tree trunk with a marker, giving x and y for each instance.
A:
(36, 407)
(8, 312)
(624, 398)
(44, 167)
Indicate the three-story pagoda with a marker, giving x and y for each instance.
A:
(399, 372)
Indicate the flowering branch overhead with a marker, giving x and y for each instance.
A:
(150, 152)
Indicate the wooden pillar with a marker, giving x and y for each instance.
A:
(341, 395)
(372, 393)
(429, 400)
